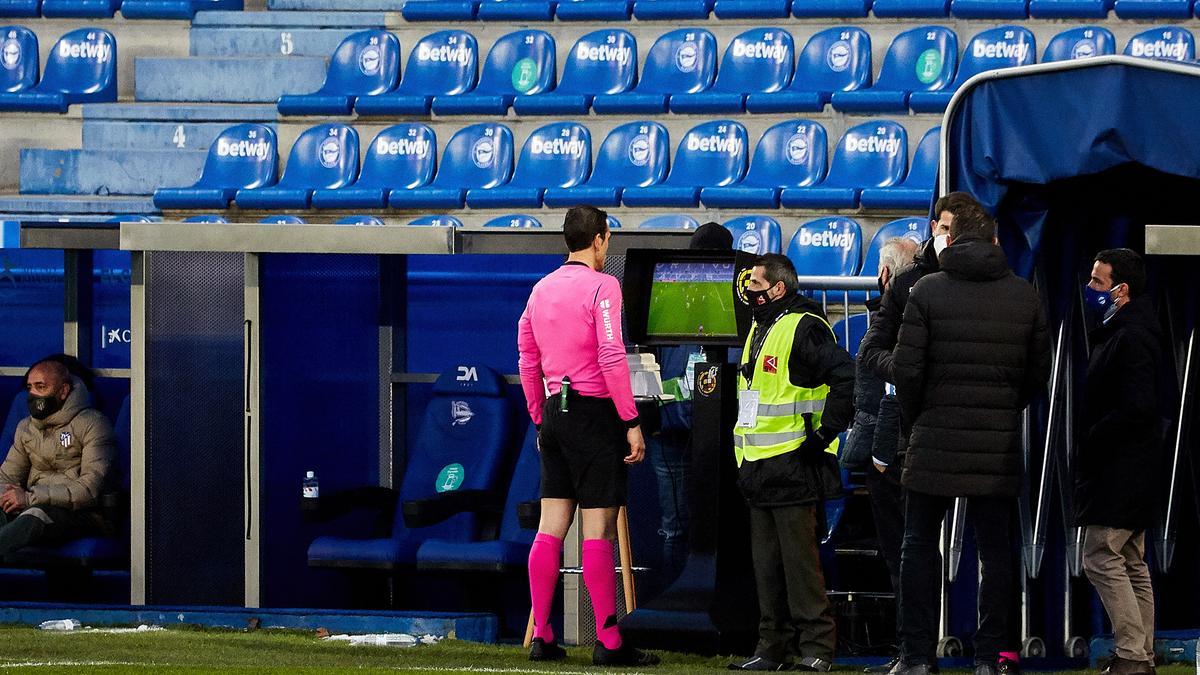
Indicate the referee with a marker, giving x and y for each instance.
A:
(570, 344)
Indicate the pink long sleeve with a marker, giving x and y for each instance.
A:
(529, 365)
(610, 350)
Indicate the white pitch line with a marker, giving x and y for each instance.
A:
(55, 664)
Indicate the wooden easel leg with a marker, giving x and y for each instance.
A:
(626, 560)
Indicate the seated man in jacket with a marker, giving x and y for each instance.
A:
(58, 465)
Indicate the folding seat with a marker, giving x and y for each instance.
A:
(872, 154)
(359, 220)
(206, 219)
(366, 63)
(921, 59)
(1169, 43)
(751, 9)
(827, 247)
(613, 223)
(19, 58)
(850, 331)
(441, 64)
(594, 10)
(755, 234)
(478, 156)
(683, 61)
(914, 228)
(916, 191)
(635, 154)
(98, 9)
(515, 220)
(670, 221)
(20, 7)
(660, 10)
(440, 10)
(836, 59)
(283, 220)
(454, 466)
(808, 9)
(131, 218)
(324, 157)
(1069, 9)
(520, 63)
(435, 221)
(556, 155)
(1002, 47)
(789, 154)
(175, 9)
(710, 154)
(401, 157)
(243, 157)
(1150, 9)
(601, 62)
(1080, 43)
(910, 8)
(82, 68)
(759, 60)
(516, 10)
(989, 9)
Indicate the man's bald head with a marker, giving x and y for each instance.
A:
(48, 377)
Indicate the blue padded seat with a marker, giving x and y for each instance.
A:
(90, 9)
(601, 62)
(916, 191)
(836, 59)
(244, 156)
(81, 68)
(594, 10)
(359, 220)
(709, 155)
(889, 9)
(1069, 9)
(752, 9)
(323, 157)
(682, 61)
(435, 221)
(1153, 9)
(635, 154)
(789, 154)
(1169, 43)
(175, 9)
(670, 221)
(872, 154)
(556, 155)
(20, 7)
(759, 61)
(19, 64)
(366, 63)
(921, 59)
(282, 219)
(459, 447)
(401, 157)
(441, 64)
(755, 234)
(521, 63)
(1083, 42)
(1001, 47)
(809, 9)
(440, 10)
(830, 247)
(516, 10)
(849, 332)
(914, 228)
(514, 220)
(989, 9)
(206, 219)
(478, 156)
(671, 10)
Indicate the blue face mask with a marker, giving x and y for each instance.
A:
(1099, 304)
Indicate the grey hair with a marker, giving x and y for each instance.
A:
(896, 253)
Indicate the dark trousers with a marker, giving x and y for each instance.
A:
(921, 571)
(44, 524)
(795, 619)
(887, 506)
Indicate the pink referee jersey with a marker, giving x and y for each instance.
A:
(571, 327)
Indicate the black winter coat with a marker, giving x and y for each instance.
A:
(973, 350)
(875, 351)
(1120, 453)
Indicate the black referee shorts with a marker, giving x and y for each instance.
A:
(583, 452)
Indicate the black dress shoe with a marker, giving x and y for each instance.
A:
(540, 650)
(885, 668)
(625, 655)
(759, 663)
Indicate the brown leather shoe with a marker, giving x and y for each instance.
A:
(1120, 666)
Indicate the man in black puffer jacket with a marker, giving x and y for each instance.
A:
(972, 351)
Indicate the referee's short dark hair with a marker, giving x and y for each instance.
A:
(582, 225)
(1127, 268)
(777, 268)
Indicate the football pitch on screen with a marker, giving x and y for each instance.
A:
(684, 305)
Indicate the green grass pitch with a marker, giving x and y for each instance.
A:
(681, 309)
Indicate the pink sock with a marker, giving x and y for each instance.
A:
(1015, 657)
(601, 582)
(545, 557)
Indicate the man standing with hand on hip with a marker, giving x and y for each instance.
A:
(570, 344)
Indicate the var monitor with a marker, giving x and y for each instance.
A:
(675, 297)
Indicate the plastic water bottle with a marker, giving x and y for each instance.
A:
(311, 489)
(60, 624)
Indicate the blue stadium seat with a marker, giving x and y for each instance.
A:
(849, 332)
(516, 10)
(556, 155)
(282, 220)
(789, 154)
(97, 9)
(755, 234)
(130, 218)
(613, 223)
(916, 191)
(441, 64)
(1151, 9)
(515, 220)
(836, 59)
(889, 9)
(82, 68)
(670, 221)
(175, 9)
(478, 156)
(1001, 47)
(401, 157)
(520, 63)
(752, 9)
(458, 453)
(20, 7)
(366, 63)
(436, 221)
(657, 10)
(510, 549)
(594, 10)
(324, 157)
(915, 228)
(1080, 43)
(440, 10)
(921, 59)
(828, 247)
(1169, 43)
(601, 62)
(990, 9)
(242, 157)
(206, 219)
(359, 220)
(710, 154)
(683, 61)
(635, 154)
(759, 60)
(1069, 9)
(807, 9)
(19, 64)
(872, 154)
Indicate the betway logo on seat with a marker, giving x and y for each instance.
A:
(1159, 50)
(96, 51)
(559, 146)
(717, 144)
(826, 238)
(873, 144)
(767, 51)
(405, 146)
(227, 148)
(621, 55)
(459, 54)
(1000, 50)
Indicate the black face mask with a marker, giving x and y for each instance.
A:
(758, 298)
(879, 283)
(41, 407)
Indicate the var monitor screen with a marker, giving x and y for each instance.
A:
(681, 297)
